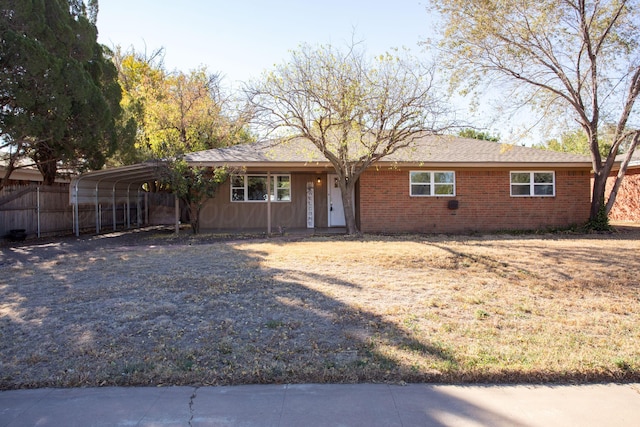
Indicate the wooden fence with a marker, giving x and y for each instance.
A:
(37, 209)
(42, 210)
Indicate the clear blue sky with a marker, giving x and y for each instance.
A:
(242, 38)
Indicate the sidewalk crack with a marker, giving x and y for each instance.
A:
(395, 404)
(284, 398)
(191, 401)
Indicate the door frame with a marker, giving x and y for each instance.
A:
(330, 184)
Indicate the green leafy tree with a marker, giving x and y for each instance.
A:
(193, 186)
(176, 112)
(60, 96)
(355, 111)
(576, 142)
(142, 79)
(475, 134)
(570, 142)
(568, 59)
(189, 117)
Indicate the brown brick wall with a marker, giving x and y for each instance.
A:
(484, 203)
(627, 205)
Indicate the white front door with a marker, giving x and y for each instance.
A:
(336, 209)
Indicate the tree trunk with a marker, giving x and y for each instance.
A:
(49, 170)
(194, 217)
(597, 196)
(621, 173)
(4, 180)
(348, 198)
(46, 163)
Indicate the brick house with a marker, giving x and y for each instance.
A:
(627, 205)
(437, 185)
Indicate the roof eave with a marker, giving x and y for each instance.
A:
(310, 165)
(279, 165)
(485, 165)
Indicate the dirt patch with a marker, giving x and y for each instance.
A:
(150, 308)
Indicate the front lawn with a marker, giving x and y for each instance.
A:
(160, 311)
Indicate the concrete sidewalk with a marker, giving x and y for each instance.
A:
(325, 405)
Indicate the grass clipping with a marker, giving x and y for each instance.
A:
(156, 311)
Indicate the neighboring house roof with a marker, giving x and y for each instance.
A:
(635, 158)
(427, 150)
(26, 170)
(27, 174)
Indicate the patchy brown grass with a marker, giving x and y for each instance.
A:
(151, 309)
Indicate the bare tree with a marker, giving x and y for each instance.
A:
(572, 59)
(355, 110)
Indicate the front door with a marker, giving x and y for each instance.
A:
(336, 209)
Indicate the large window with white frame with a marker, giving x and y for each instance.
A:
(254, 188)
(533, 184)
(432, 183)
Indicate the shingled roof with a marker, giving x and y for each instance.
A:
(427, 150)
(635, 158)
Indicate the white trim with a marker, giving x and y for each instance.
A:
(268, 176)
(432, 184)
(532, 184)
(331, 184)
(385, 163)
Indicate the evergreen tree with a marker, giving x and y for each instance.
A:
(60, 95)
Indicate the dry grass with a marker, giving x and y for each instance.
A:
(151, 309)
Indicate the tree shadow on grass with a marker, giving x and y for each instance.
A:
(604, 260)
(188, 315)
(200, 315)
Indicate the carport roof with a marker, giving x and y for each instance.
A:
(85, 187)
(140, 172)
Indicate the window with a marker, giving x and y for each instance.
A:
(539, 184)
(253, 188)
(430, 183)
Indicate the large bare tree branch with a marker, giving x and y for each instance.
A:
(355, 110)
(577, 55)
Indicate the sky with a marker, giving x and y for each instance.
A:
(241, 39)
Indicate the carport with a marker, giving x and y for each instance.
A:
(114, 187)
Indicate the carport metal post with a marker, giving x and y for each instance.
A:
(146, 207)
(97, 210)
(268, 203)
(138, 213)
(38, 208)
(177, 209)
(128, 218)
(76, 212)
(113, 205)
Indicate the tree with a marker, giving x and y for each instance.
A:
(176, 112)
(355, 111)
(474, 134)
(141, 77)
(572, 59)
(192, 185)
(576, 142)
(60, 96)
(190, 116)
